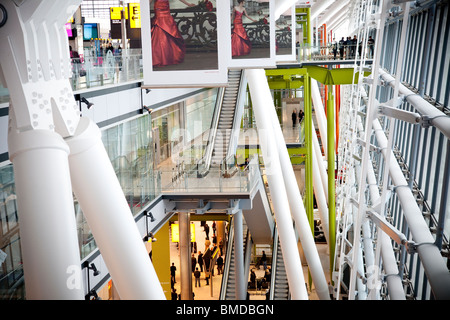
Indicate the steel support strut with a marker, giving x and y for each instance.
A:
(54, 150)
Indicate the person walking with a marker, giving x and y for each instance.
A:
(264, 260)
(301, 114)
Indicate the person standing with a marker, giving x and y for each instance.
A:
(200, 260)
(219, 265)
(371, 45)
(294, 118)
(173, 269)
(341, 48)
(197, 277)
(194, 262)
(206, 228)
(207, 261)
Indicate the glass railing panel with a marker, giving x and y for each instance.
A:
(306, 52)
(93, 71)
(192, 178)
(4, 95)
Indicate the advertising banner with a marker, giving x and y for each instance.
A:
(184, 43)
(252, 33)
(285, 37)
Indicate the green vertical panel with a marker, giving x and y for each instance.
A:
(305, 24)
(308, 142)
(331, 176)
(309, 166)
(308, 26)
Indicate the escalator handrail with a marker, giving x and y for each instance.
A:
(239, 110)
(274, 263)
(226, 269)
(212, 132)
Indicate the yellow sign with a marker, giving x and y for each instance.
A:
(135, 15)
(116, 13)
(175, 228)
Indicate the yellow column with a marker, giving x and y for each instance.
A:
(161, 258)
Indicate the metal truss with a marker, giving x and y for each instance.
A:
(372, 252)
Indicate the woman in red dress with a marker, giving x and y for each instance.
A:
(167, 43)
(240, 43)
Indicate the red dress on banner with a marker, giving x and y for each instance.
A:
(240, 43)
(167, 43)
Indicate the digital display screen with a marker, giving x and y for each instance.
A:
(90, 31)
(69, 30)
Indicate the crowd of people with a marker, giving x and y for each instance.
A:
(349, 48)
(201, 261)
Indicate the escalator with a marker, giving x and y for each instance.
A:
(226, 118)
(279, 287)
(225, 125)
(228, 290)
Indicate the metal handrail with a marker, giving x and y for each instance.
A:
(213, 129)
(238, 112)
(226, 269)
(274, 264)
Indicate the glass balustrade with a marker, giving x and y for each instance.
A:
(226, 179)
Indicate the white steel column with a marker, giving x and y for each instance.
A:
(262, 102)
(51, 259)
(320, 163)
(35, 67)
(320, 196)
(320, 114)
(240, 285)
(104, 205)
(394, 281)
(370, 114)
(298, 209)
(281, 6)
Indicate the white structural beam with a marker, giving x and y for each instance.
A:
(320, 195)
(319, 6)
(35, 67)
(365, 154)
(107, 212)
(298, 210)
(331, 12)
(340, 18)
(430, 256)
(394, 281)
(263, 101)
(49, 242)
(321, 164)
(281, 6)
(320, 114)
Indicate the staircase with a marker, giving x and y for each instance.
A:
(226, 117)
(280, 285)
